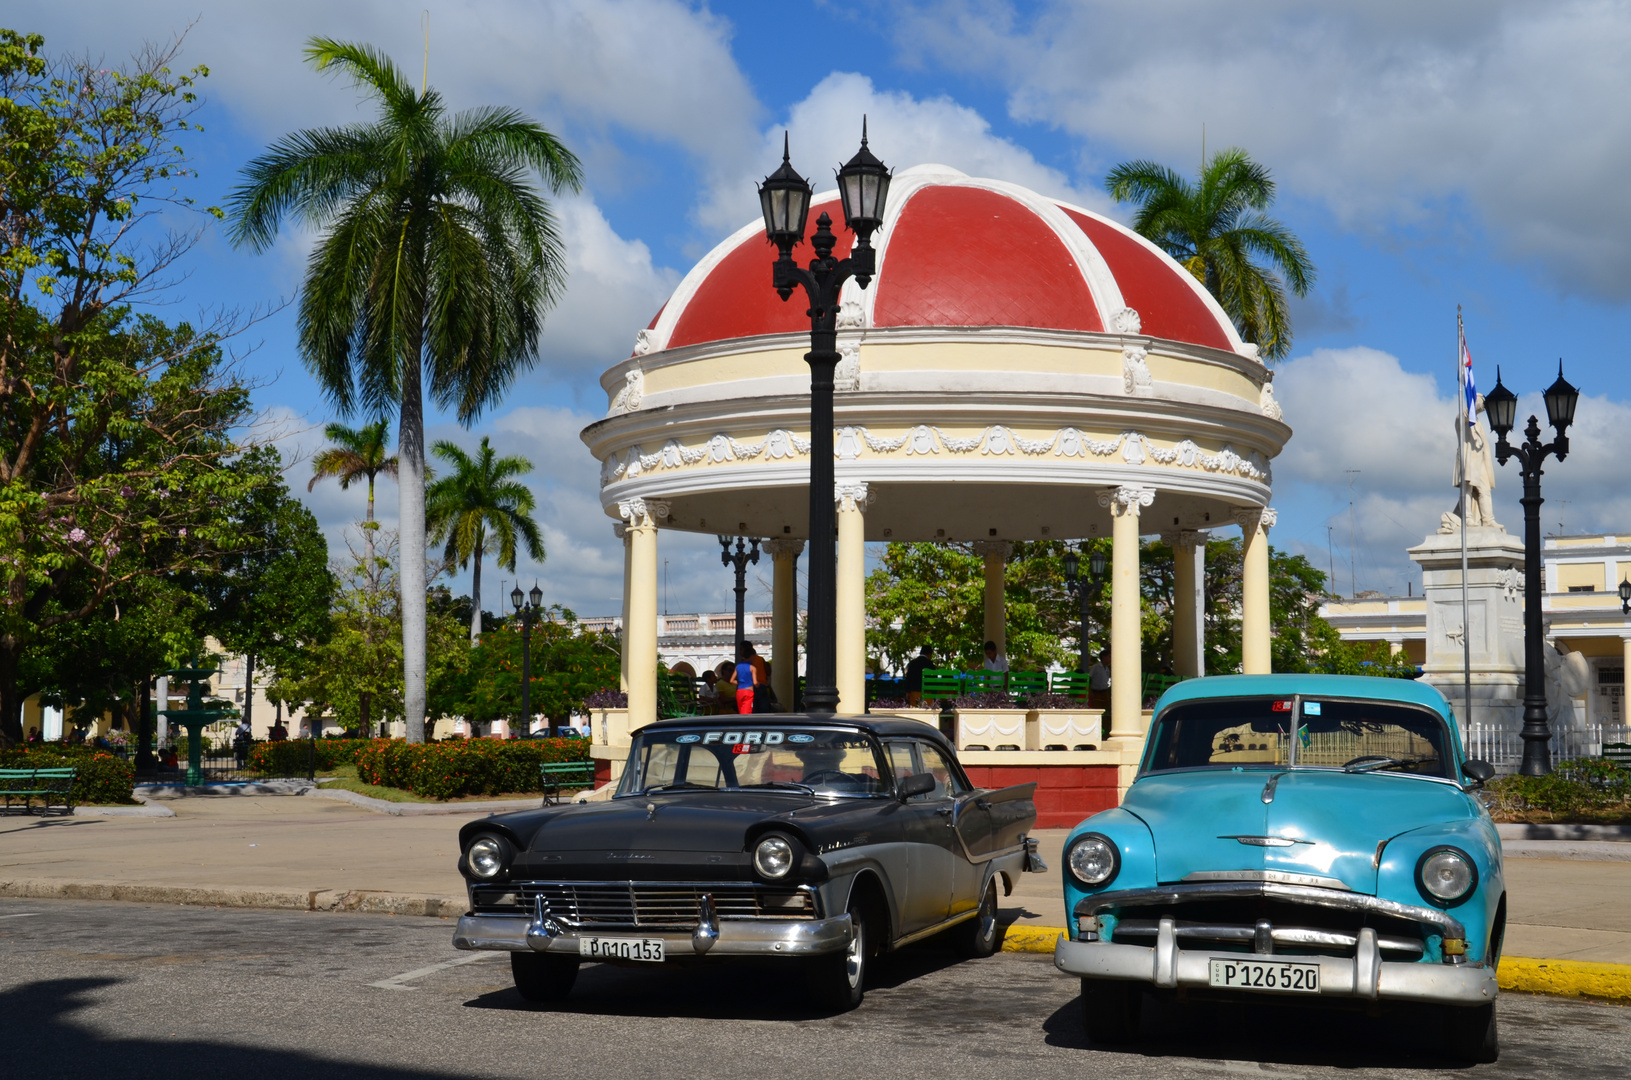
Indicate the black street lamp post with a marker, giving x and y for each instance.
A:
(1501, 405)
(1625, 596)
(529, 615)
(741, 559)
(863, 185)
(1085, 591)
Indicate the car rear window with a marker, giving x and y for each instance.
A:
(1302, 731)
(826, 761)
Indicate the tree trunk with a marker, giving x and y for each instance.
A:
(11, 701)
(411, 526)
(144, 726)
(368, 524)
(475, 596)
(249, 690)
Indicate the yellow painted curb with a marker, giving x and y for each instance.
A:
(1568, 978)
(1031, 938)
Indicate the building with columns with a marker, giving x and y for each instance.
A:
(1019, 369)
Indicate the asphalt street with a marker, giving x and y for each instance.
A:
(112, 990)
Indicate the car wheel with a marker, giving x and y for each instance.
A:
(978, 937)
(837, 981)
(543, 977)
(1110, 1009)
(1473, 1034)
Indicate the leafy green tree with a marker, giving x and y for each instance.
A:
(568, 664)
(356, 454)
(481, 508)
(438, 258)
(1216, 227)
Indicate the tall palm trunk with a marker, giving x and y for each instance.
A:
(475, 593)
(368, 525)
(411, 511)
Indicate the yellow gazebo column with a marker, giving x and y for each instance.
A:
(1255, 629)
(1625, 699)
(1126, 612)
(621, 531)
(1189, 602)
(784, 617)
(851, 608)
(640, 631)
(996, 554)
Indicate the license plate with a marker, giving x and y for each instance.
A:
(621, 948)
(1266, 975)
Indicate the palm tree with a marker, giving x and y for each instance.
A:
(439, 257)
(481, 507)
(356, 453)
(1214, 228)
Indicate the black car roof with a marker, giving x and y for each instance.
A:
(878, 725)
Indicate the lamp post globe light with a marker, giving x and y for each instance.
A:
(740, 559)
(784, 197)
(1085, 592)
(1625, 596)
(1501, 405)
(527, 608)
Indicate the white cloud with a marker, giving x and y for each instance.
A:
(904, 131)
(1359, 409)
(1391, 113)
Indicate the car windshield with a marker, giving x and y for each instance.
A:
(812, 760)
(1301, 731)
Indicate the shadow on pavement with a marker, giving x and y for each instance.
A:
(1272, 1032)
(734, 989)
(40, 1039)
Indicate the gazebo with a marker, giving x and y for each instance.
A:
(1019, 369)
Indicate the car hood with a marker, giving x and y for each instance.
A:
(675, 822)
(1319, 823)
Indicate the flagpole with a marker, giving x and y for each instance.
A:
(1464, 426)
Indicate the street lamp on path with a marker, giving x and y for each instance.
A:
(863, 186)
(741, 559)
(529, 615)
(1085, 591)
(1501, 405)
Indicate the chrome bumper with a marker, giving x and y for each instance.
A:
(1366, 976)
(731, 937)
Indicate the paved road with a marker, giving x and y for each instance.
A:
(107, 991)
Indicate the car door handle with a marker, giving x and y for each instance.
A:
(944, 811)
(983, 804)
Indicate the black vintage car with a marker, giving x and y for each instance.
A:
(825, 840)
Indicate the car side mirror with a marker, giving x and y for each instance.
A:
(917, 784)
(1477, 771)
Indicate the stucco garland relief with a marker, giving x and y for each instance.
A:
(846, 376)
(628, 398)
(925, 439)
(1135, 373)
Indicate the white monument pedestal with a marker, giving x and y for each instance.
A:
(1494, 617)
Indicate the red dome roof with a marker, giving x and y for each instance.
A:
(959, 252)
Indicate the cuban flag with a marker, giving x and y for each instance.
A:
(1468, 385)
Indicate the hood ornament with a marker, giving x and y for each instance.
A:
(1268, 788)
(651, 811)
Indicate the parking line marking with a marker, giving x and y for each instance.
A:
(22, 915)
(395, 981)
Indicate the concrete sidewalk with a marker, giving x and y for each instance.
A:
(318, 854)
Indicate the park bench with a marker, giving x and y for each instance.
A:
(1069, 684)
(556, 774)
(1027, 683)
(942, 683)
(1619, 753)
(676, 696)
(985, 682)
(1155, 684)
(48, 785)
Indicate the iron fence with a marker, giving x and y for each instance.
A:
(221, 762)
(1503, 747)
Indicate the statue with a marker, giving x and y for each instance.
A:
(1474, 450)
(1568, 676)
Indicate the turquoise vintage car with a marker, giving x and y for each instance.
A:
(1310, 836)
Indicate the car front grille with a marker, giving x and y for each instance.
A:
(655, 905)
(1269, 926)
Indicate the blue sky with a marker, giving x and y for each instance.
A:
(1428, 155)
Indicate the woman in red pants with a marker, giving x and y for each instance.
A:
(744, 679)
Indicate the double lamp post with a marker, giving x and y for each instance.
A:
(528, 609)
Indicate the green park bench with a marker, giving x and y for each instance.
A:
(1619, 753)
(1068, 684)
(48, 785)
(986, 682)
(1157, 685)
(1027, 683)
(676, 696)
(942, 683)
(558, 774)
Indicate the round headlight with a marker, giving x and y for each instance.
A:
(1093, 860)
(1446, 875)
(485, 857)
(773, 858)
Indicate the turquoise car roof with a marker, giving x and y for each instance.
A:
(1408, 691)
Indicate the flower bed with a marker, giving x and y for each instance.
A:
(292, 757)
(101, 777)
(448, 770)
(1592, 789)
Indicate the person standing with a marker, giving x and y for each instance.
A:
(1098, 682)
(744, 679)
(994, 661)
(762, 695)
(915, 668)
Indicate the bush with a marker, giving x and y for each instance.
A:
(607, 699)
(448, 770)
(1055, 701)
(102, 777)
(991, 699)
(1574, 787)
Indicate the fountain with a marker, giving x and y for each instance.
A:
(194, 717)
